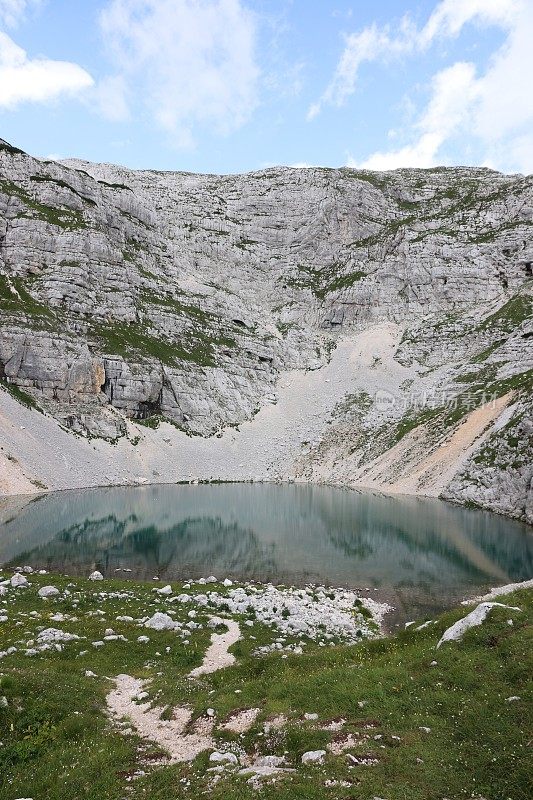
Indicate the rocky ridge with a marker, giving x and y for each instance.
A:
(134, 298)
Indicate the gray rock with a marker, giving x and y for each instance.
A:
(160, 622)
(48, 591)
(223, 758)
(143, 295)
(314, 757)
(19, 581)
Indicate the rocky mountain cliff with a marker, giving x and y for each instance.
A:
(135, 300)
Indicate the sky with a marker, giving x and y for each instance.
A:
(229, 86)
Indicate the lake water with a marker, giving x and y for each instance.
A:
(420, 555)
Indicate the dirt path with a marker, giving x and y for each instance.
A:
(169, 734)
(217, 655)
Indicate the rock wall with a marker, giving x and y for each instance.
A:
(186, 297)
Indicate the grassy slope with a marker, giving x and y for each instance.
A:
(57, 743)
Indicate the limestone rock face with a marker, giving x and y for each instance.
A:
(145, 295)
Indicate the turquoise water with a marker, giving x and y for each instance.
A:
(421, 555)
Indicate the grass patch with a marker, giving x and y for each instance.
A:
(509, 316)
(57, 743)
(133, 339)
(324, 281)
(20, 395)
(65, 218)
(16, 300)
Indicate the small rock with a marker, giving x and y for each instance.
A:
(160, 622)
(424, 729)
(166, 590)
(223, 758)
(96, 576)
(314, 757)
(48, 591)
(512, 699)
(269, 761)
(18, 581)
(210, 712)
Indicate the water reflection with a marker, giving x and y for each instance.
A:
(421, 554)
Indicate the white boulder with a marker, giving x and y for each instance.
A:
(160, 622)
(48, 591)
(223, 758)
(314, 757)
(456, 632)
(19, 581)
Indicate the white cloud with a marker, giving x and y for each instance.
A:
(506, 95)
(110, 98)
(385, 44)
(191, 62)
(370, 44)
(12, 11)
(491, 111)
(39, 80)
(453, 91)
(450, 16)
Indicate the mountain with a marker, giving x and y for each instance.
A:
(352, 327)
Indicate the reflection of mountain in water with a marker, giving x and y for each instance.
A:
(419, 552)
(188, 548)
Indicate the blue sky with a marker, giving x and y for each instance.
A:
(237, 85)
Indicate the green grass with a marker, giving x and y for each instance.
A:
(324, 281)
(65, 218)
(20, 395)
(126, 340)
(16, 300)
(58, 744)
(509, 316)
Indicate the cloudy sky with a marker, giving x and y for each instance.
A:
(235, 85)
